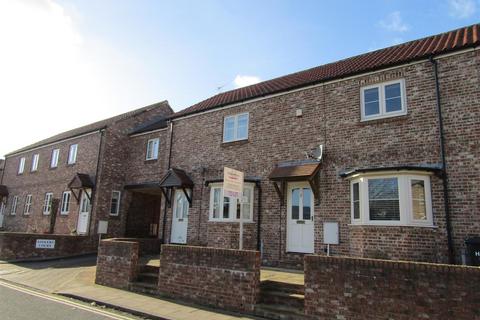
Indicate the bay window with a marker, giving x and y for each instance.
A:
(230, 209)
(400, 199)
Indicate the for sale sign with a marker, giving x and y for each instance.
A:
(232, 183)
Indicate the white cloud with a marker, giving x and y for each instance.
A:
(462, 8)
(54, 78)
(394, 22)
(243, 81)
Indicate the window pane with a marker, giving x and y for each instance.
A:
(228, 131)
(246, 206)
(418, 200)
(216, 203)
(307, 204)
(394, 104)
(295, 203)
(383, 199)
(356, 201)
(226, 207)
(371, 101)
(372, 108)
(242, 127)
(392, 91)
(370, 95)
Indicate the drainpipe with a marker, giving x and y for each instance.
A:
(259, 220)
(95, 189)
(446, 199)
(168, 168)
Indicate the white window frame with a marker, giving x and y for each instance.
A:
(404, 195)
(117, 207)
(235, 127)
(27, 207)
(72, 153)
(232, 214)
(151, 143)
(35, 159)
(65, 206)
(13, 209)
(47, 203)
(54, 158)
(382, 104)
(21, 165)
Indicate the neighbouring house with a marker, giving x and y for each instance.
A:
(83, 169)
(382, 148)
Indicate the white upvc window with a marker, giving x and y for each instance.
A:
(229, 209)
(397, 199)
(65, 208)
(235, 127)
(152, 149)
(28, 204)
(21, 165)
(54, 158)
(115, 203)
(383, 100)
(72, 154)
(13, 210)
(35, 159)
(47, 203)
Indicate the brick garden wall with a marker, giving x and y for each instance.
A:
(228, 279)
(353, 288)
(19, 245)
(117, 262)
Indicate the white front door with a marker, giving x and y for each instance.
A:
(2, 209)
(300, 226)
(180, 218)
(84, 212)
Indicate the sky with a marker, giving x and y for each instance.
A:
(66, 63)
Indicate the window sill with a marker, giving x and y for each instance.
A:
(230, 221)
(386, 225)
(64, 214)
(150, 161)
(234, 143)
(52, 168)
(384, 118)
(70, 164)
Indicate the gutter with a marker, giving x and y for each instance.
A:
(446, 199)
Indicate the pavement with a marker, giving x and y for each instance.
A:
(74, 277)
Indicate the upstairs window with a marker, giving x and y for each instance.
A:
(47, 203)
(72, 154)
(54, 159)
(65, 208)
(383, 100)
(229, 209)
(21, 165)
(235, 127)
(13, 210)
(35, 162)
(152, 149)
(28, 204)
(115, 203)
(401, 199)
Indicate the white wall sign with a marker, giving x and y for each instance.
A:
(232, 183)
(102, 227)
(45, 244)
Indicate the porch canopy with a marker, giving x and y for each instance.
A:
(176, 178)
(81, 182)
(303, 170)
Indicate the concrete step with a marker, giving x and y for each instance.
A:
(279, 312)
(148, 277)
(292, 288)
(294, 300)
(149, 269)
(143, 287)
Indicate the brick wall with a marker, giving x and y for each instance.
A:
(352, 288)
(227, 279)
(18, 245)
(117, 263)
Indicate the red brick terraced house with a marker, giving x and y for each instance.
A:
(83, 169)
(383, 145)
(381, 148)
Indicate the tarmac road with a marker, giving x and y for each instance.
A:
(19, 303)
